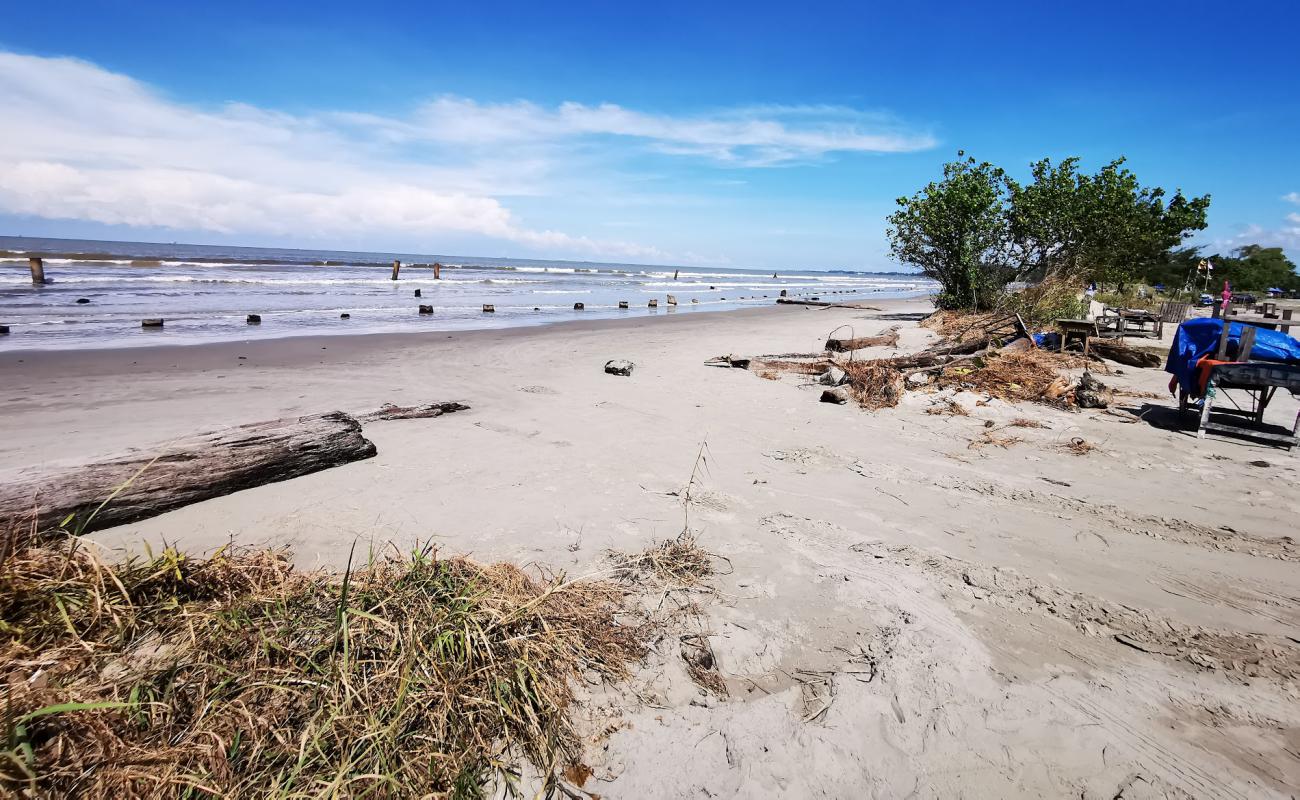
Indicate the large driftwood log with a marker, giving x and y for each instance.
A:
(887, 339)
(1123, 354)
(179, 473)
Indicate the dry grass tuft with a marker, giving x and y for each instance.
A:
(679, 561)
(1025, 422)
(874, 385)
(238, 676)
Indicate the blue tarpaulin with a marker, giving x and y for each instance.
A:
(1197, 338)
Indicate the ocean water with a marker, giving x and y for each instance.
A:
(206, 292)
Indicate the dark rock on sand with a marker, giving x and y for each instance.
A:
(619, 366)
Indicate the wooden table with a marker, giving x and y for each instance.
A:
(1075, 329)
(1140, 317)
(1260, 380)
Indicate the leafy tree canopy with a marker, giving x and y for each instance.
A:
(977, 230)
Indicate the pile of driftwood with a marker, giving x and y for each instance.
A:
(992, 354)
(145, 483)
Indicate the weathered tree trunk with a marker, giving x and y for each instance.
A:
(185, 471)
(1123, 354)
(887, 339)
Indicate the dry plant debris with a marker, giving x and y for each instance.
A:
(873, 384)
(238, 676)
(955, 326)
(679, 561)
(1025, 422)
(991, 438)
(947, 406)
(1025, 375)
(1079, 446)
(702, 664)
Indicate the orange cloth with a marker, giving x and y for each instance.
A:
(1203, 367)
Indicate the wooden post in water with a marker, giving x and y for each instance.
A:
(38, 270)
(397, 267)
(675, 273)
(437, 271)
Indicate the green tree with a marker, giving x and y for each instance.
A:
(1256, 268)
(1251, 268)
(1105, 227)
(977, 230)
(957, 232)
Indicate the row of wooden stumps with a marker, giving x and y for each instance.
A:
(437, 272)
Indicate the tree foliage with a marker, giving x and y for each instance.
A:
(1105, 227)
(957, 231)
(977, 230)
(1250, 268)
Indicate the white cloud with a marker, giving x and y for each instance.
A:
(757, 136)
(80, 142)
(1292, 197)
(1287, 236)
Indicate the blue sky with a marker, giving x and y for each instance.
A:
(747, 135)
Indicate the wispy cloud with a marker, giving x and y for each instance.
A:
(750, 137)
(80, 142)
(1292, 197)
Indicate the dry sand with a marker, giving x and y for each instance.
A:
(903, 615)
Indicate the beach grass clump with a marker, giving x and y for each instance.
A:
(237, 675)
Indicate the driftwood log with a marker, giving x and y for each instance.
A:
(1123, 354)
(887, 339)
(941, 354)
(191, 469)
(790, 301)
(390, 411)
(150, 482)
